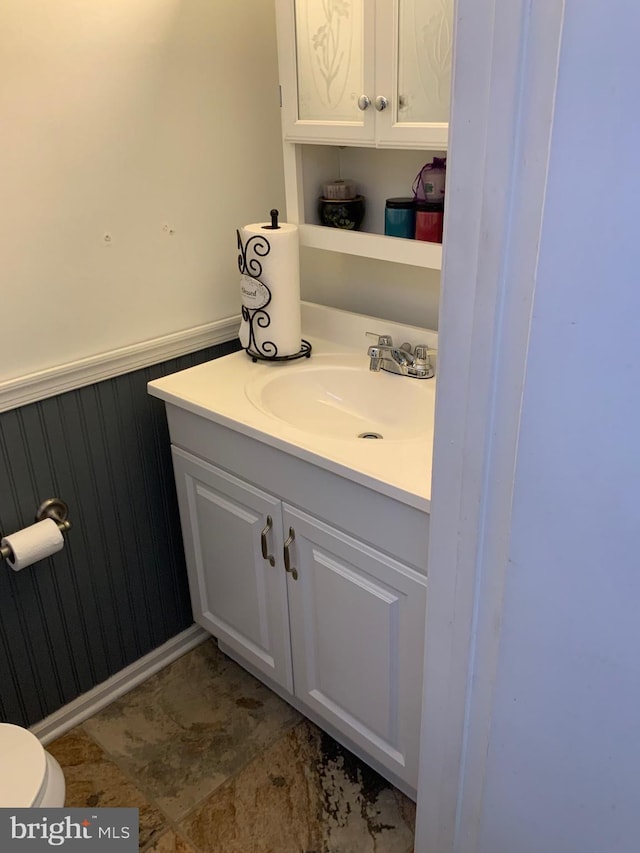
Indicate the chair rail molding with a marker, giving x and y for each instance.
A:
(30, 388)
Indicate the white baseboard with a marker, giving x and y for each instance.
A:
(104, 694)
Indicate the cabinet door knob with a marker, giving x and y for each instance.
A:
(287, 556)
(364, 102)
(263, 542)
(381, 103)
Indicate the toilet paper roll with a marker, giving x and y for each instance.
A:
(33, 543)
(271, 284)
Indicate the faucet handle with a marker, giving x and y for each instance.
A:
(422, 358)
(383, 340)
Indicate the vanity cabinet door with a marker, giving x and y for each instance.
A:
(357, 632)
(236, 593)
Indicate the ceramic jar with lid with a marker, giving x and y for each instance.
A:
(340, 206)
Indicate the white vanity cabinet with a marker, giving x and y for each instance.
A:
(332, 621)
(359, 72)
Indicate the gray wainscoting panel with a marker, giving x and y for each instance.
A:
(118, 589)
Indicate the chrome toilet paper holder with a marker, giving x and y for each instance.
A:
(55, 509)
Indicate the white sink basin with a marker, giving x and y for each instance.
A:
(339, 397)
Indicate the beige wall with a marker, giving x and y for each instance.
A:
(398, 292)
(155, 122)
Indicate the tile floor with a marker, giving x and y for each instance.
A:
(217, 763)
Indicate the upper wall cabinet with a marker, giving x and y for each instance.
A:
(366, 72)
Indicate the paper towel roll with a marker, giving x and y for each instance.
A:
(33, 543)
(270, 285)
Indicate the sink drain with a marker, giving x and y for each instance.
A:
(370, 435)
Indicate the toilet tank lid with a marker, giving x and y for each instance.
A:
(23, 765)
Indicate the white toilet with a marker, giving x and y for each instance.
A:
(29, 776)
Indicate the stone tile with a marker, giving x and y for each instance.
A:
(93, 781)
(305, 794)
(190, 727)
(170, 843)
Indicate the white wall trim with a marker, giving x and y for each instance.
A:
(104, 694)
(504, 89)
(76, 374)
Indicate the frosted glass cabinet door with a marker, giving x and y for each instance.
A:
(415, 67)
(424, 60)
(329, 57)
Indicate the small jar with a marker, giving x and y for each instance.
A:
(347, 213)
(400, 217)
(429, 220)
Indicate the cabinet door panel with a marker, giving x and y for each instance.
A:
(326, 58)
(357, 629)
(413, 70)
(236, 594)
(425, 32)
(329, 58)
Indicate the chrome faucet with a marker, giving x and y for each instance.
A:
(385, 356)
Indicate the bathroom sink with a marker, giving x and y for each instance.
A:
(339, 397)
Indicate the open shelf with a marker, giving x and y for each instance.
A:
(379, 174)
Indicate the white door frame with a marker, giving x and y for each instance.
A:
(504, 83)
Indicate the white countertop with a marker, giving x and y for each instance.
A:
(215, 390)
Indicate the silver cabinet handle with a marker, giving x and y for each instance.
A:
(364, 102)
(287, 556)
(381, 103)
(263, 542)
